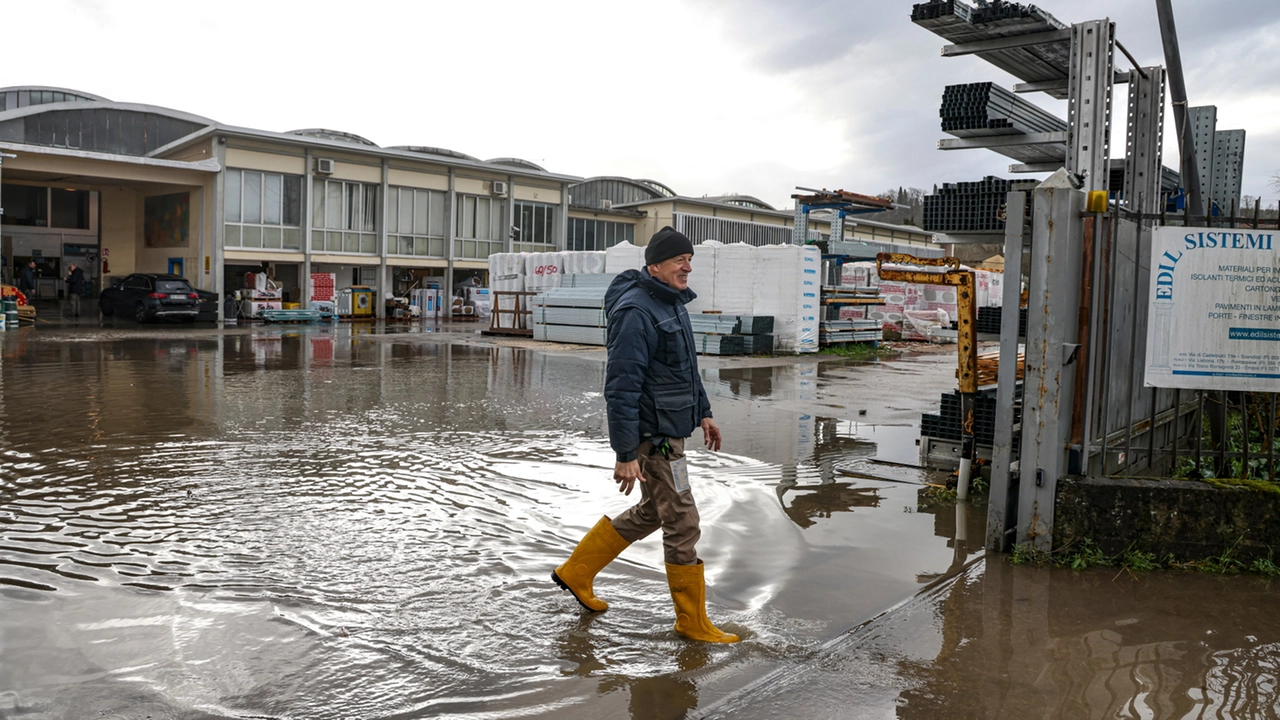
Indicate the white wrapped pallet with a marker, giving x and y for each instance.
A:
(735, 269)
(702, 279)
(809, 299)
(776, 292)
(583, 262)
(622, 257)
(506, 274)
(542, 271)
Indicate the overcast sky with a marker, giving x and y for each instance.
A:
(707, 96)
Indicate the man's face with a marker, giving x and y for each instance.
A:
(673, 271)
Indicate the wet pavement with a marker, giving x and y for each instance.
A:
(358, 521)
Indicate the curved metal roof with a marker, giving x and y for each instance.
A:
(71, 95)
(428, 150)
(746, 201)
(516, 162)
(340, 136)
(650, 187)
(656, 186)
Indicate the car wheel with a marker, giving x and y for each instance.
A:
(140, 312)
(105, 309)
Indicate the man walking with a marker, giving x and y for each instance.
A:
(75, 288)
(655, 400)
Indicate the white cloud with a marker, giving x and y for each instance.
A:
(755, 96)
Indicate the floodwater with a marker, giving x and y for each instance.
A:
(359, 522)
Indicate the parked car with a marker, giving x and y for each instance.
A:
(151, 296)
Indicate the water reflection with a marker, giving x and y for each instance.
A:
(328, 521)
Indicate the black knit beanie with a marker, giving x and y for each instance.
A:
(665, 244)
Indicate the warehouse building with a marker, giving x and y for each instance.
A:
(604, 211)
(122, 187)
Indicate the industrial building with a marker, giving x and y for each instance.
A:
(121, 187)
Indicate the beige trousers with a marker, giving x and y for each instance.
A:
(666, 501)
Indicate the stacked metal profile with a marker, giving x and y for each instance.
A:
(570, 315)
(959, 23)
(720, 334)
(989, 319)
(834, 332)
(584, 280)
(946, 425)
(967, 206)
(985, 109)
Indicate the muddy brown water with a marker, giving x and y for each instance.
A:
(358, 522)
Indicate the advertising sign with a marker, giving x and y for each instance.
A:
(1213, 321)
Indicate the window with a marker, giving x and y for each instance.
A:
(535, 227)
(480, 222)
(344, 217)
(34, 206)
(415, 222)
(587, 234)
(262, 210)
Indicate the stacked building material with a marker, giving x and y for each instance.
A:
(570, 315)
(947, 423)
(702, 277)
(958, 22)
(623, 256)
(837, 332)
(588, 280)
(738, 334)
(707, 344)
(990, 319)
(788, 286)
(971, 206)
(985, 108)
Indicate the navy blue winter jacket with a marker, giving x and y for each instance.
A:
(651, 386)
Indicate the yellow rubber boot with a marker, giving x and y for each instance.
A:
(600, 546)
(689, 591)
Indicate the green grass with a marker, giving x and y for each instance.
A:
(1087, 555)
(855, 351)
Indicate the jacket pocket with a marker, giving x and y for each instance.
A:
(675, 410)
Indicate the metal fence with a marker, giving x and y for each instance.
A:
(1133, 430)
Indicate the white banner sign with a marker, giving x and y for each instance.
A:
(1213, 321)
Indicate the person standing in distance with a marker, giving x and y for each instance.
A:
(75, 288)
(655, 400)
(27, 280)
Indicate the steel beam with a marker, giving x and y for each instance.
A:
(800, 225)
(1089, 102)
(1060, 86)
(1005, 43)
(1048, 384)
(1035, 167)
(994, 141)
(1178, 96)
(1002, 498)
(1143, 158)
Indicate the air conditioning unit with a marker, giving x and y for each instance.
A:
(606, 204)
(324, 166)
(498, 187)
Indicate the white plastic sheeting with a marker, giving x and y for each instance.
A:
(622, 257)
(735, 268)
(702, 278)
(506, 274)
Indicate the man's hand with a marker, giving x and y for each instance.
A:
(626, 474)
(711, 434)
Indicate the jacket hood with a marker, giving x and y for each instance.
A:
(633, 279)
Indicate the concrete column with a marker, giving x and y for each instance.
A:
(308, 213)
(219, 225)
(380, 302)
